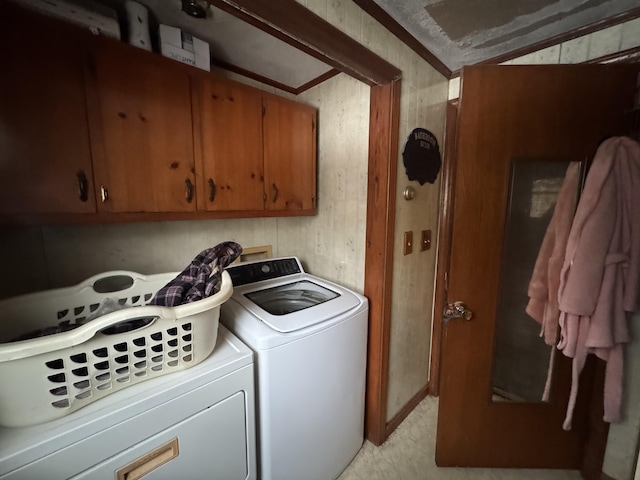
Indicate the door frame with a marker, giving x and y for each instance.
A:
(293, 23)
(445, 227)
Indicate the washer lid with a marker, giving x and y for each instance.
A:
(298, 304)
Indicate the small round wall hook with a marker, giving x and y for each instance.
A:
(408, 193)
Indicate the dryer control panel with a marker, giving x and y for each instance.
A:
(244, 274)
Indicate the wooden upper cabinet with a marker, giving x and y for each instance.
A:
(141, 132)
(45, 159)
(289, 131)
(90, 125)
(228, 137)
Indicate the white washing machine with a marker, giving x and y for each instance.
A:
(310, 340)
(194, 424)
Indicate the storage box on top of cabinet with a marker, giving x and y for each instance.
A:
(50, 376)
(185, 48)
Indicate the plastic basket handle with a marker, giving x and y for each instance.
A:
(113, 283)
(129, 325)
(35, 346)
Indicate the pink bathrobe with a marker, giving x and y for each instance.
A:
(544, 284)
(600, 277)
(545, 280)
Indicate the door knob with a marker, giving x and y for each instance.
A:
(456, 310)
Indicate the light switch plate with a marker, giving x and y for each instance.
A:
(408, 243)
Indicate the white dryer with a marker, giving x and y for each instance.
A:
(310, 340)
(197, 423)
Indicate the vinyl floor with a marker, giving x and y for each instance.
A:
(409, 452)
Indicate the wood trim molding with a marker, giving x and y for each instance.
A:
(631, 55)
(444, 244)
(373, 9)
(295, 24)
(383, 158)
(407, 409)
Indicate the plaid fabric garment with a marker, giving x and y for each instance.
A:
(201, 278)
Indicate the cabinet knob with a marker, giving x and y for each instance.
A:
(189, 190)
(83, 186)
(212, 190)
(275, 192)
(104, 194)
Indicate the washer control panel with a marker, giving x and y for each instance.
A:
(244, 274)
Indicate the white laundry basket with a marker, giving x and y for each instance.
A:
(51, 376)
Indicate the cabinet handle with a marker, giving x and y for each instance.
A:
(275, 192)
(83, 186)
(189, 191)
(104, 194)
(212, 190)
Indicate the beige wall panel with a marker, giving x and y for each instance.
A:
(332, 244)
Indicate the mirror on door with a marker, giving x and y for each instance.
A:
(522, 354)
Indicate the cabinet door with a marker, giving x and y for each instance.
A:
(45, 160)
(141, 132)
(230, 139)
(289, 154)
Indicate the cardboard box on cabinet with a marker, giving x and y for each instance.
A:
(183, 47)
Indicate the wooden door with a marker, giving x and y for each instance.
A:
(289, 154)
(512, 116)
(230, 138)
(45, 160)
(141, 131)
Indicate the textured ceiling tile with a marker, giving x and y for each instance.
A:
(465, 32)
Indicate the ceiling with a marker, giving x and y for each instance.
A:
(239, 46)
(448, 33)
(467, 32)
